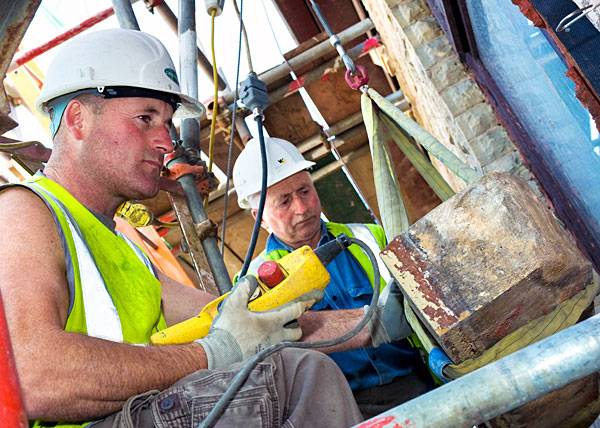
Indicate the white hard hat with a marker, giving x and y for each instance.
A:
(283, 161)
(116, 62)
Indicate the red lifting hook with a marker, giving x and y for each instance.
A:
(358, 79)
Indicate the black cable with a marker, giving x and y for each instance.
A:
(233, 115)
(263, 197)
(243, 374)
(321, 18)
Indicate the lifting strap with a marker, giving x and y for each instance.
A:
(393, 214)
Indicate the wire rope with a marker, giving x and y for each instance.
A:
(239, 12)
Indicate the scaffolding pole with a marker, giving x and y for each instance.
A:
(12, 413)
(169, 17)
(504, 385)
(319, 50)
(190, 135)
(125, 14)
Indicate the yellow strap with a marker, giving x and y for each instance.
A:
(389, 199)
(565, 315)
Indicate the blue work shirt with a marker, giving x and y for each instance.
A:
(350, 288)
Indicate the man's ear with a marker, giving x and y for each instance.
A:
(74, 118)
(254, 211)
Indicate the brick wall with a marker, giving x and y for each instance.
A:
(445, 99)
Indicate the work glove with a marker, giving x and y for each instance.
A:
(389, 323)
(437, 360)
(238, 333)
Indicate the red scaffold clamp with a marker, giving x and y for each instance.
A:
(357, 79)
(205, 181)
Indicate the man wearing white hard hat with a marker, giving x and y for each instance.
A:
(384, 374)
(82, 301)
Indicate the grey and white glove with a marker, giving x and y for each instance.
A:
(238, 333)
(389, 323)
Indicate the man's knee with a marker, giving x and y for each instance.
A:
(307, 357)
(308, 363)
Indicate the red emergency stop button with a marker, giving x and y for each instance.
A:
(270, 273)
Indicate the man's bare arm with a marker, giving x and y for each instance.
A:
(67, 376)
(181, 302)
(325, 325)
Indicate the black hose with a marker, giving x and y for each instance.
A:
(243, 374)
(263, 197)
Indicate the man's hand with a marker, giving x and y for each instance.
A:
(389, 323)
(238, 333)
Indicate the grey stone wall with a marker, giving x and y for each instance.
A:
(444, 98)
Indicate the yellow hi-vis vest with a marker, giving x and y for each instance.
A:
(114, 294)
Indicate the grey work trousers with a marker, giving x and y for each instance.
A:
(292, 388)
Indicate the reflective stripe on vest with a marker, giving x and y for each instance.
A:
(101, 316)
(362, 232)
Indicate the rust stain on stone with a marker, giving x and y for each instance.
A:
(506, 326)
(408, 256)
(441, 316)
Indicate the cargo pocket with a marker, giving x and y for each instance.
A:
(189, 402)
(251, 409)
(171, 409)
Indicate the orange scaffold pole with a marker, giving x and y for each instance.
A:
(12, 413)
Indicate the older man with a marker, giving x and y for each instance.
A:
(381, 376)
(82, 301)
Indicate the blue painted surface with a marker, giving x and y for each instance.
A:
(532, 78)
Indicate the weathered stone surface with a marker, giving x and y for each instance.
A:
(491, 145)
(408, 11)
(484, 263)
(431, 52)
(424, 30)
(476, 120)
(462, 96)
(446, 72)
(430, 74)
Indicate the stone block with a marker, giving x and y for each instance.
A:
(408, 12)
(434, 51)
(476, 120)
(423, 31)
(491, 145)
(484, 263)
(462, 96)
(446, 72)
(509, 162)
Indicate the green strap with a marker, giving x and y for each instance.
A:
(424, 138)
(423, 165)
(391, 205)
(387, 187)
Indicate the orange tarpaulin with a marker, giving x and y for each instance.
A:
(158, 252)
